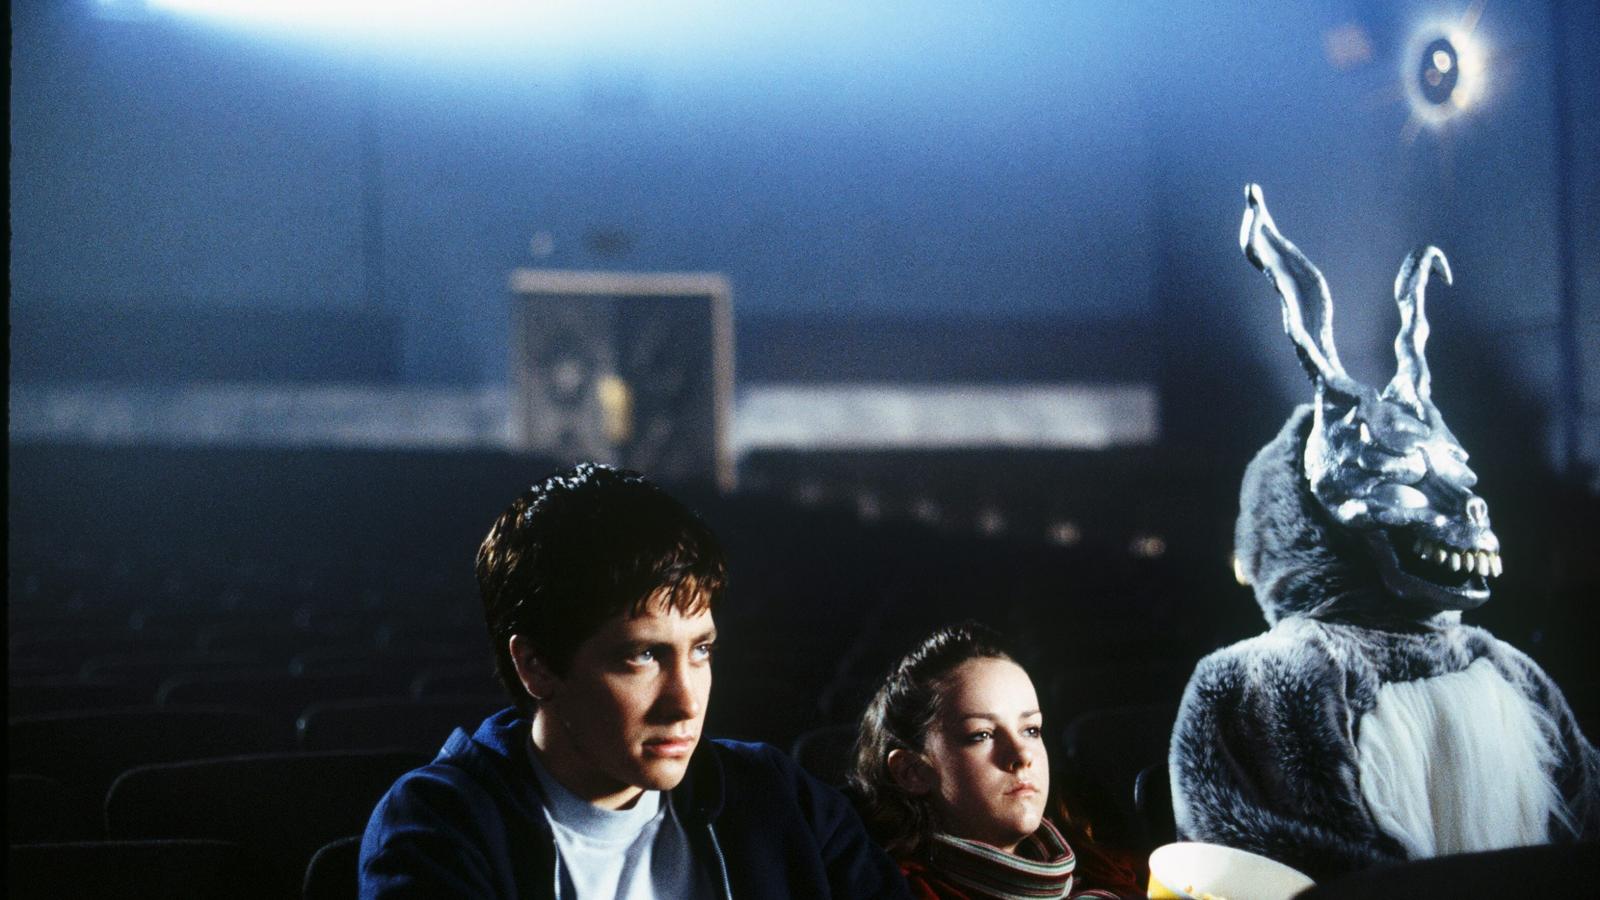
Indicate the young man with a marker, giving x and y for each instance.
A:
(599, 590)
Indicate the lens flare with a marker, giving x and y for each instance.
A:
(1444, 73)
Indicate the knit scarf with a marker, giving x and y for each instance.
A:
(1041, 867)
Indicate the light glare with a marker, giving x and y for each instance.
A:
(465, 25)
(359, 15)
(1470, 64)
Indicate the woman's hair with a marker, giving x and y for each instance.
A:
(898, 718)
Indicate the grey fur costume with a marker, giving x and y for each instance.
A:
(1369, 725)
(1266, 752)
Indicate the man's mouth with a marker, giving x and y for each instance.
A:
(670, 747)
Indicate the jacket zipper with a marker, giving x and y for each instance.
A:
(722, 864)
(556, 888)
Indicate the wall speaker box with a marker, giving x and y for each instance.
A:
(632, 369)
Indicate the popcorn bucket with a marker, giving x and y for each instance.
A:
(1193, 871)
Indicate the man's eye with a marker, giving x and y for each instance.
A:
(703, 651)
(643, 657)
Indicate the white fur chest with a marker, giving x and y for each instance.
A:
(1458, 763)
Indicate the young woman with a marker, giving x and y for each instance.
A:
(953, 778)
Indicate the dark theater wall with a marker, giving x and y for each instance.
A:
(1079, 162)
(912, 174)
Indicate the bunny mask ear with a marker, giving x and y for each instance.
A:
(1412, 385)
(1295, 279)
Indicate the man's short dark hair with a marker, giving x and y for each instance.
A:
(581, 547)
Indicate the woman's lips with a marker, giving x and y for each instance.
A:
(1022, 790)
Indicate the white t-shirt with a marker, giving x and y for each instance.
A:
(638, 854)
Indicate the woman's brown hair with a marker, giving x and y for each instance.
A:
(898, 718)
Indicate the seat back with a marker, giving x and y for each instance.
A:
(138, 870)
(1105, 749)
(1152, 802)
(40, 809)
(825, 752)
(286, 805)
(334, 871)
(412, 723)
(277, 693)
(456, 679)
(69, 693)
(88, 750)
(146, 671)
(1552, 870)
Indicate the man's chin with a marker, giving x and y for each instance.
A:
(662, 774)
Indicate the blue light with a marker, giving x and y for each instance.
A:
(528, 27)
(376, 16)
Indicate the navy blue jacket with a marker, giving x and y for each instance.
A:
(471, 824)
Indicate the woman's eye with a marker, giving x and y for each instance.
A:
(978, 737)
(1033, 731)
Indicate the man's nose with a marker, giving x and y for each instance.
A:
(679, 697)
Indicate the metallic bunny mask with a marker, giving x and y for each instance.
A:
(1383, 464)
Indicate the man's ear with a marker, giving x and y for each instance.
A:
(536, 677)
(910, 771)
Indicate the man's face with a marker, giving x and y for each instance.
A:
(627, 715)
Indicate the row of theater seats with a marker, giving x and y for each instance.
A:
(267, 825)
(820, 610)
(132, 788)
(210, 742)
(247, 825)
(182, 686)
(324, 603)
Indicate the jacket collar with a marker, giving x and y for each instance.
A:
(699, 797)
(496, 755)
(502, 740)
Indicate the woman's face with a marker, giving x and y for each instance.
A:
(987, 754)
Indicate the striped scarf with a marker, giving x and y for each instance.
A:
(1041, 867)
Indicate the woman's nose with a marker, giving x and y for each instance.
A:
(1021, 756)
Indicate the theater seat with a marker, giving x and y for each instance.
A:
(412, 723)
(69, 693)
(286, 805)
(146, 671)
(1104, 751)
(1557, 870)
(88, 750)
(455, 679)
(1152, 802)
(40, 809)
(826, 752)
(334, 871)
(139, 870)
(278, 693)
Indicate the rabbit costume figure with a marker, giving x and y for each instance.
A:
(1368, 724)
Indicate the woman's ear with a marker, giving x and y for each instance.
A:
(910, 771)
(536, 677)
